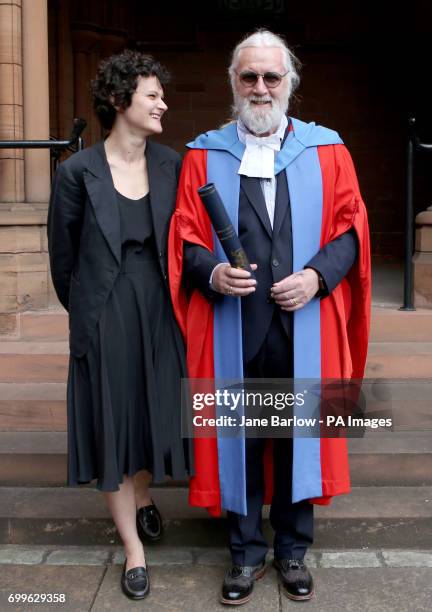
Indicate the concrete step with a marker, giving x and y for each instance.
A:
(401, 458)
(368, 517)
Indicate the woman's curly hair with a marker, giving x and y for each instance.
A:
(117, 79)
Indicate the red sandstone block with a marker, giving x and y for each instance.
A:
(32, 415)
(399, 360)
(392, 325)
(33, 368)
(44, 325)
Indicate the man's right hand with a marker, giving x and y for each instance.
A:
(233, 281)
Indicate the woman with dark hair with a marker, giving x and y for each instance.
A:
(107, 230)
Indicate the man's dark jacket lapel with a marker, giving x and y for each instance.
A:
(252, 188)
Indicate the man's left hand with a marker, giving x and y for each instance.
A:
(295, 291)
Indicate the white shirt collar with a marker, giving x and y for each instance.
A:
(259, 154)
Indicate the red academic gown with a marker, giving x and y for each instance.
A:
(345, 314)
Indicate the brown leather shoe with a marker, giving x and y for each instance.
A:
(296, 579)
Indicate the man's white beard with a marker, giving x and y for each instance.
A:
(257, 120)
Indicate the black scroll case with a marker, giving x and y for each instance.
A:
(223, 227)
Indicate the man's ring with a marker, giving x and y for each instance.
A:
(293, 302)
(230, 290)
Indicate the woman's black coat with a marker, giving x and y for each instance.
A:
(84, 240)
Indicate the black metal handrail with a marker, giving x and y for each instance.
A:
(74, 143)
(413, 145)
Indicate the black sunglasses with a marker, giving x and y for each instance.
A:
(250, 78)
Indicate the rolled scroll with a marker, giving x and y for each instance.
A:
(223, 227)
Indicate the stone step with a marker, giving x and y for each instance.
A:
(399, 347)
(385, 517)
(402, 458)
(32, 407)
(388, 324)
(34, 347)
(40, 406)
(102, 555)
(399, 360)
(393, 325)
(27, 361)
(33, 368)
(380, 443)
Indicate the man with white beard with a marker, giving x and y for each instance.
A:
(291, 192)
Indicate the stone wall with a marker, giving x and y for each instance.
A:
(25, 282)
(24, 174)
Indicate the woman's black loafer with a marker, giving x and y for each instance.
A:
(149, 523)
(135, 582)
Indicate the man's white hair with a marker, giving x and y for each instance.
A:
(265, 38)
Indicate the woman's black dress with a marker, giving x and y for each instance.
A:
(124, 394)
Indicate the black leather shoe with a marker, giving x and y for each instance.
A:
(238, 583)
(135, 582)
(149, 523)
(296, 579)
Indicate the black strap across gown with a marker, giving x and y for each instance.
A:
(124, 394)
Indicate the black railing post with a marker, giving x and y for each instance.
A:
(409, 219)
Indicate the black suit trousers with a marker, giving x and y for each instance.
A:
(292, 523)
